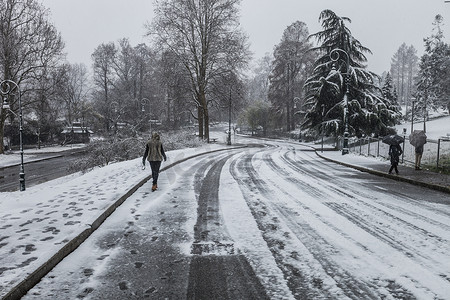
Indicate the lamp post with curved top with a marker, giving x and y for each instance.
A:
(145, 101)
(335, 54)
(10, 88)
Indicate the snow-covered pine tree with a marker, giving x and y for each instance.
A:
(390, 100)
(433, 84)
(369, 113)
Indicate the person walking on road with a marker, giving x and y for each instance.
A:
(394, 152)
(154, 153)
(419, 152)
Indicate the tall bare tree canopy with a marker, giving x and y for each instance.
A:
(291, 67)
(205, 37)
(404, 66)
(29, 46)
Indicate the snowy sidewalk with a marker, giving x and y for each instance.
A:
(380, 167)
(43, 224)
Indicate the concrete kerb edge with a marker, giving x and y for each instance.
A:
(387, 175)
(31, 280)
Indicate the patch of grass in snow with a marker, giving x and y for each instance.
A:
(444, 165)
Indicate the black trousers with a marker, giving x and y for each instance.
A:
(394, 166)
(155, 165)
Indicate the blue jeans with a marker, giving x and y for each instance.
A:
(155, 165)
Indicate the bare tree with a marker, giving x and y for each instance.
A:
(29, 46)
(103, 58)
(174, 88)
(73, 91)
(291, 67)
(123, 65)
(205, 37)
(404, 65)
(258, 84)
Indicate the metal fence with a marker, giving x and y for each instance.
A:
(436, 152)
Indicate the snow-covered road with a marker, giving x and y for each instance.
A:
(307, 228)
(337, 233)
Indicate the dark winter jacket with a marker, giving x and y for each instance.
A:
(154, 150)
(419, 149)
(394, 152)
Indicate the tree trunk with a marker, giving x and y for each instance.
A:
(2, 131)
(204, 112)
(206, 124)
(288, 116)
(168, 111)
(200, 121)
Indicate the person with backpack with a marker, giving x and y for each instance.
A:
(394, 152)
(154, 153)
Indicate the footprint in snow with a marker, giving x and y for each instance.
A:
(123, 285)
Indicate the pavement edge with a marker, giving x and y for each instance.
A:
(391, 176)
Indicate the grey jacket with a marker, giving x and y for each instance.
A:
(154, 150)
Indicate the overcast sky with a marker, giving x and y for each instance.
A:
(380, 25)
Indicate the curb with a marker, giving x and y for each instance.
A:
(19, 290)
(390, 176)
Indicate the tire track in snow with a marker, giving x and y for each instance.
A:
(297, 282)
(386, 207)
(405, 246)
(395, 238)
(217, 269)
(302, 284)
(399, 196)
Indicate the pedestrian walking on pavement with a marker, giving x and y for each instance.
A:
(419, 152)
(154, 153)
(418, 138)
(394, 152)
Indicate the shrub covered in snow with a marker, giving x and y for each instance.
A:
(103, 152)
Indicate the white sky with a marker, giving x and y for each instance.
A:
(381, 25)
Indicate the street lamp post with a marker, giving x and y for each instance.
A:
(143, 102)
(229, 119)
(114, 107)
(321, 127)
(413, 100)
(7, 88)
(297, 100)
(425, 115)
(335, 55)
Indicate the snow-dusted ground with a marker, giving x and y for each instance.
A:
(36, 223)
(353, 237)
(435, 129)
